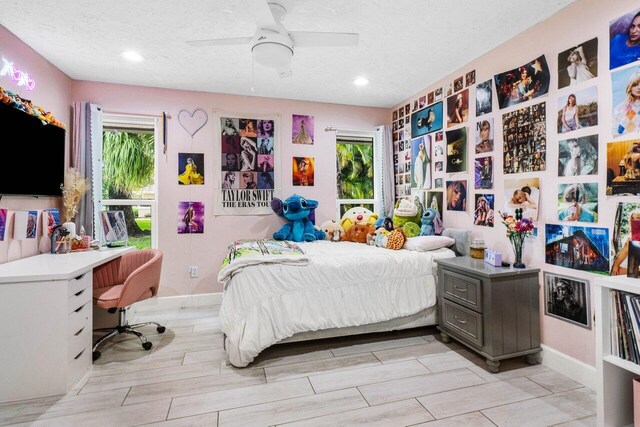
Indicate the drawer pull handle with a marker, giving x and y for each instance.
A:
(464, 322)
(79, 309)
(460, 289)
(79, 332)
(80, 276)
(80, 293)
(79, 354)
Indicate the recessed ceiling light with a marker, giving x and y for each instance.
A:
(132, 56)
(361, 81)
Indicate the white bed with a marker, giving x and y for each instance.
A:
(345, 288)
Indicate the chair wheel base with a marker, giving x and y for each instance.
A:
(147, 345)
(96, 355)
(161, 329)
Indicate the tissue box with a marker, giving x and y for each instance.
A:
(493, 257)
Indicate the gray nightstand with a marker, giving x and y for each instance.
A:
(494, 311)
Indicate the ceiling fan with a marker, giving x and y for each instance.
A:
(273, 45)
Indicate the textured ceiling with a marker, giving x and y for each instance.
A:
(405, 45)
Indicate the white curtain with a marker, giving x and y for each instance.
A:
(384, 186)
(86, 128)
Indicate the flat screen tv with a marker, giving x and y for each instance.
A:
(32, 153)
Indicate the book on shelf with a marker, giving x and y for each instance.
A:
(625, 325)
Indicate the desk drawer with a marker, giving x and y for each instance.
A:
(77, 300)
(79, 319)
(81, 340)
(78, 366)
(79, 283)
(464, 290)
(467, 323)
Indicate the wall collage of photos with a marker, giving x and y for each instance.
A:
(432, 135)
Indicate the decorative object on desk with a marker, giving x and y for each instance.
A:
(518, 228)
(74, 187)
(580, 248)
(114, 228)
(192, 122)
(3, 223)
(477, 248)
(493, 257)
(567, 298)
(25, 225)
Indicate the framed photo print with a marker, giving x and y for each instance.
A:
(567, 298)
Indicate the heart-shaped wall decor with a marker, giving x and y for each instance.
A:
(193, 122)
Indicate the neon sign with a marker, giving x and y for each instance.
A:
(16, 75)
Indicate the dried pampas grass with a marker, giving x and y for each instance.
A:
(74, 187)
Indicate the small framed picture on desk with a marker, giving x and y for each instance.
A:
(114, 229)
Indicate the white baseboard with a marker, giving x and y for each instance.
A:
(176, 302)
(573, 368)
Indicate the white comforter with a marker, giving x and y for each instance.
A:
(345, 284)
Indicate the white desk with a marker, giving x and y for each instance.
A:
(46, 322)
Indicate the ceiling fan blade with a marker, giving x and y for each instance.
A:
(220, 42)
(263, 15)
(316, 39)
(285, 72)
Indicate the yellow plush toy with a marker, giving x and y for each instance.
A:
(358, 215)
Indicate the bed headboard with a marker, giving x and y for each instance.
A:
(462, 238)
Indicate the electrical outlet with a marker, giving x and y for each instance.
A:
(193, 271)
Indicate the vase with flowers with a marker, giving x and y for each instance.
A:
(518, 229)
(74, 187)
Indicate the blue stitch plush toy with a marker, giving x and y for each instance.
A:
(428, 218)
(297, 210)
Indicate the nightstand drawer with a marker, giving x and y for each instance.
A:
(464, 290)
(466, 323)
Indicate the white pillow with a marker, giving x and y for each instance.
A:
(427, 243)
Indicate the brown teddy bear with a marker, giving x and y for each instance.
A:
(357, 233)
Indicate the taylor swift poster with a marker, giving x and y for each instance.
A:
(484, 98)
(303, 171)
(484, 173)
(624, 39)
(625, 87)
(484, 213)
(427, 120)
(578, 110)
(623, 168)
(457, 195)
(523, 83)
(525, 139)
(190, 218)
(302, 129)
(627, 214)
(578, 202)
(523, 193)
(578, 63)
(579, 248)
(567, 298)
(191, 168)
(457, 150)
(421, 162)
(434, 200)
(247, 165)
(578, 156)
(3, 223)
(458, 108)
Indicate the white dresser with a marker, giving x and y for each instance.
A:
(46, 322)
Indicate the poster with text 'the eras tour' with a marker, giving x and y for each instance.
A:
(247, 161)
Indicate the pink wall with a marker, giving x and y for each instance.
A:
(582, 21)
(53, 93)
(207, 250)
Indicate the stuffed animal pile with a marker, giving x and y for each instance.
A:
(14, 100)
(358, 224)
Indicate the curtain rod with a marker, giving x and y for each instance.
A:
(332, 129)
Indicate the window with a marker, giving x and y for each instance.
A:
(128, 176)
(355, 172)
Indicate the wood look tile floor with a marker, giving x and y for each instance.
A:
(407, 378)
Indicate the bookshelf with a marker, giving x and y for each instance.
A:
(615, 375)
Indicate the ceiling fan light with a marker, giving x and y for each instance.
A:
(274, 55)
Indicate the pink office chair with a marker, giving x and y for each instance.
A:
(133, 277)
